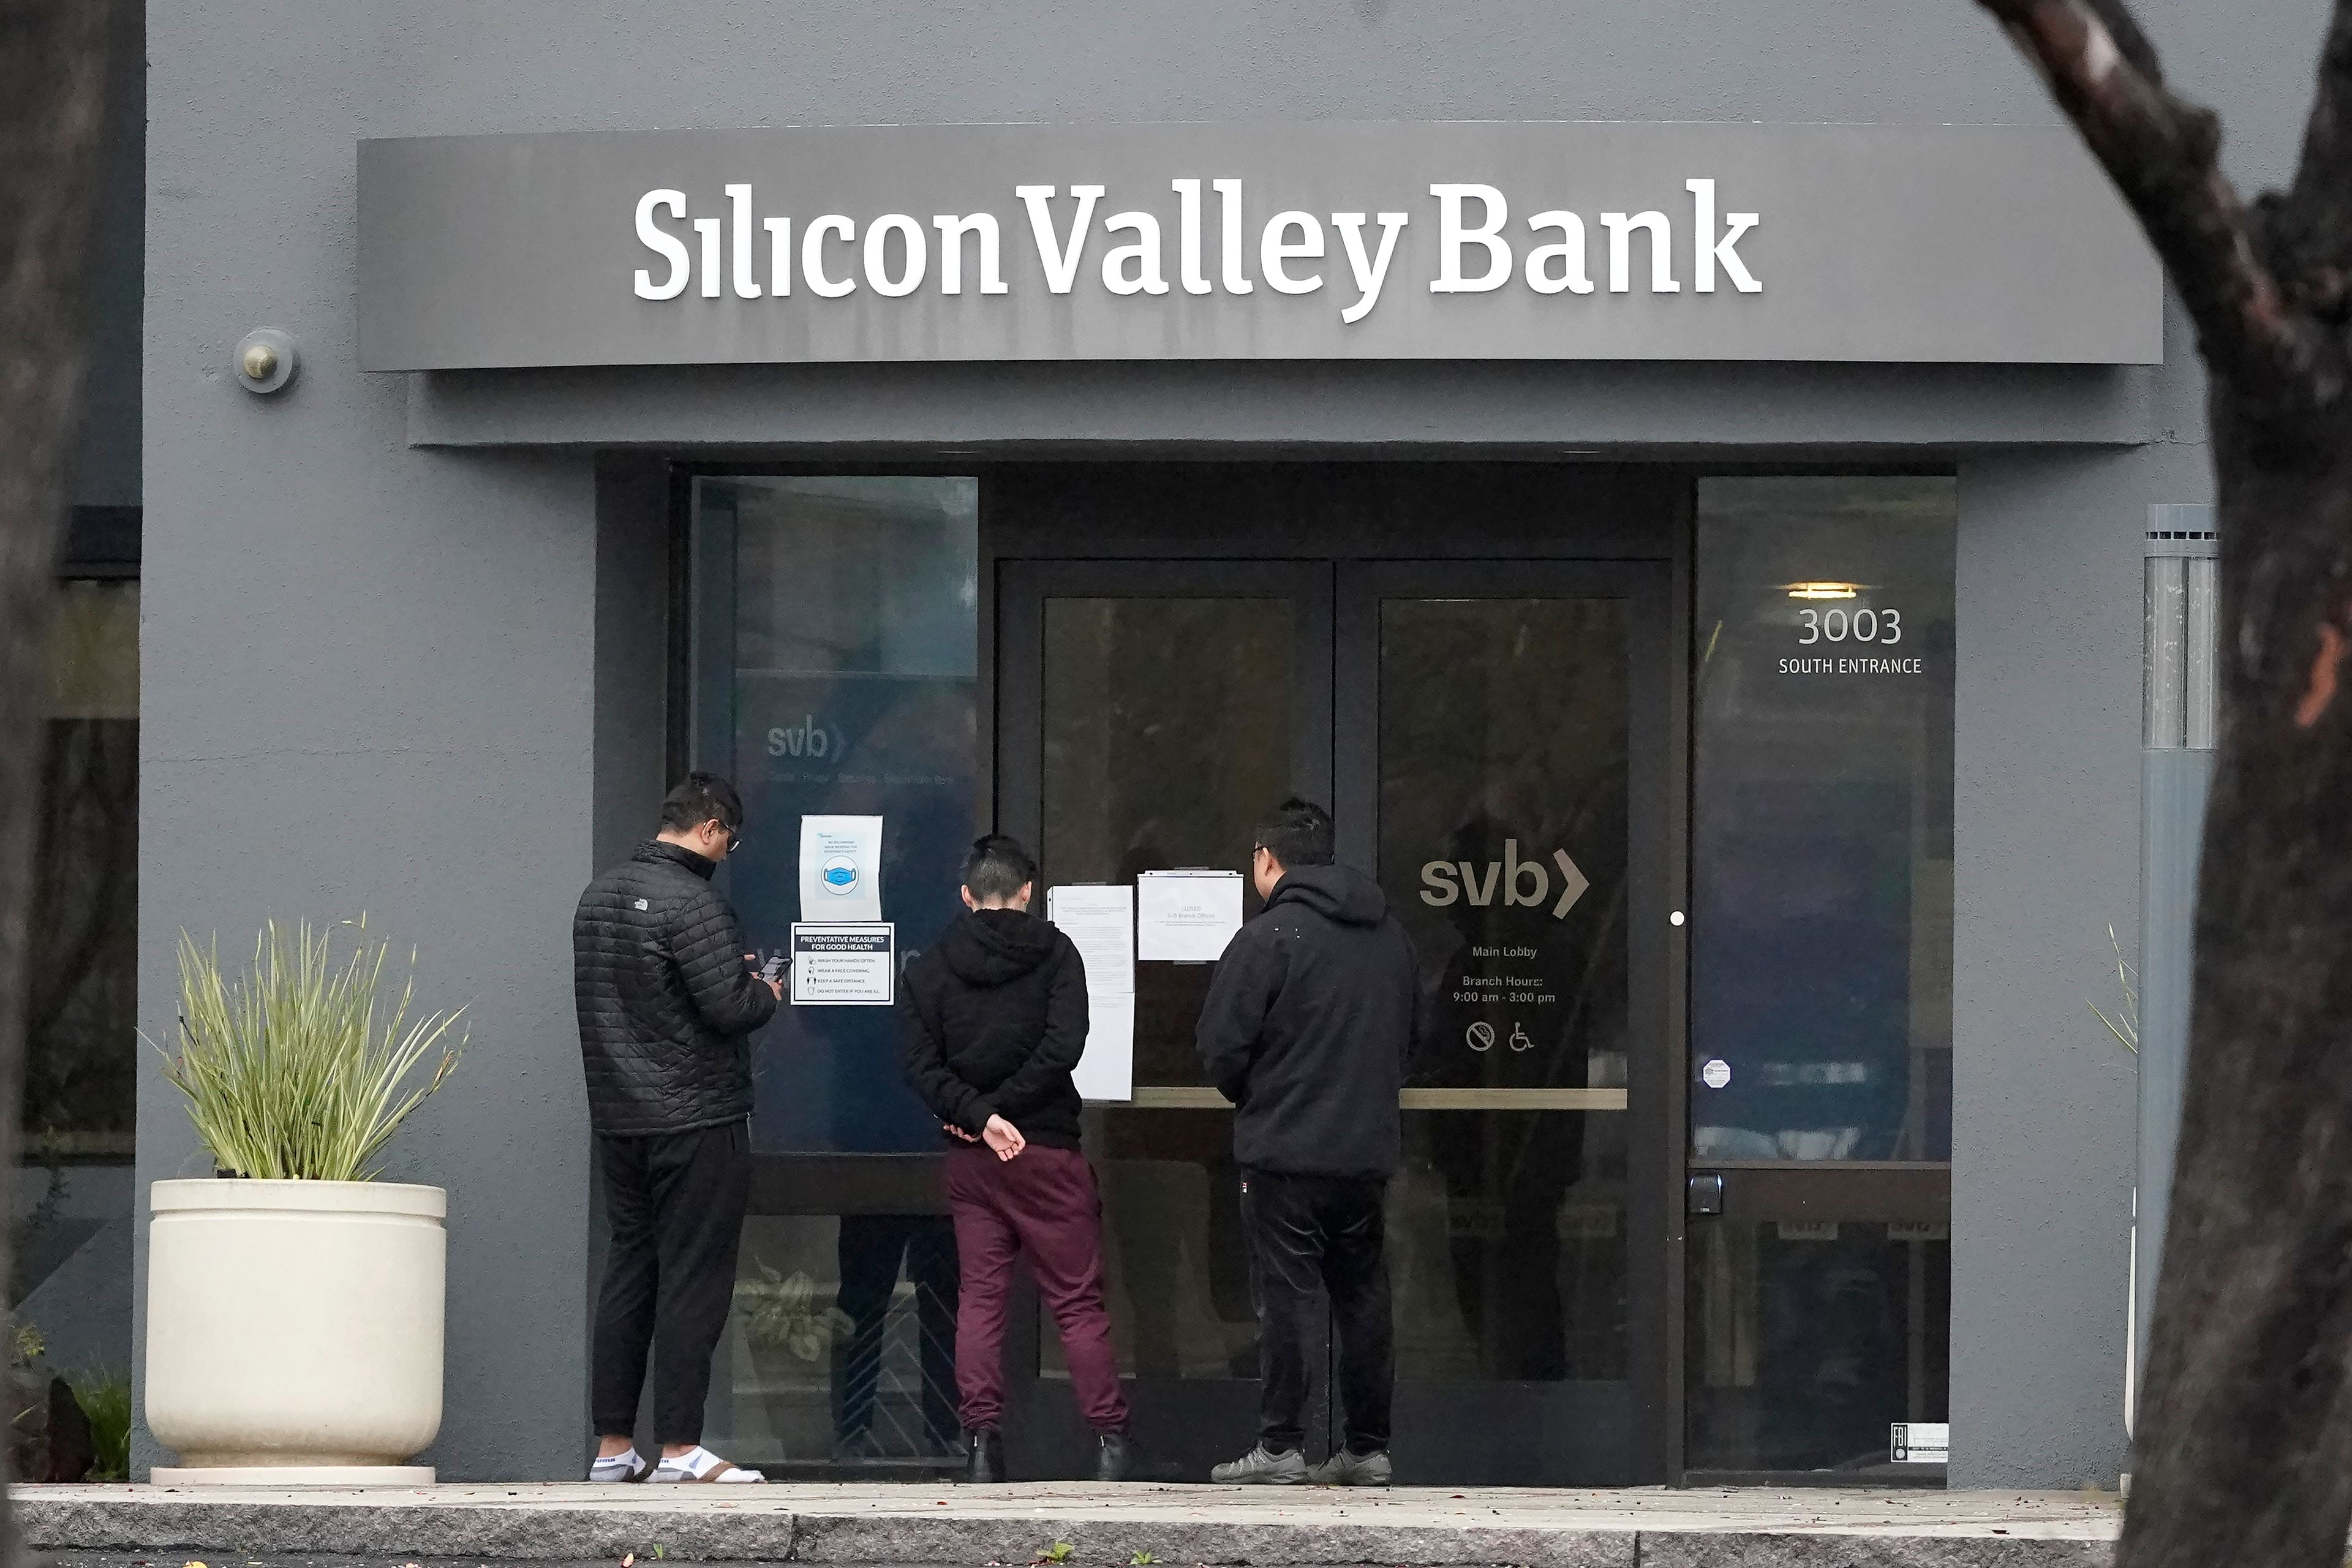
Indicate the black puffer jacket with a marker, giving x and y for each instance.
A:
(664, 997)
(1307, 1023)
(992, 1018)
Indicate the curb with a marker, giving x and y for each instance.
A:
(542, 1532)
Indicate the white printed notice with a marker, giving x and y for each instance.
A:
(843, 964)
(1100, 922)
(1186, 917)
(841, 868)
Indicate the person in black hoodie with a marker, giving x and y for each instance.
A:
(1306, 1028)
(994, 1018)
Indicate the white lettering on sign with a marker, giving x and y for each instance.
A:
(1473, 251)
(1853, 667)
(1862, 626)
(805, 739)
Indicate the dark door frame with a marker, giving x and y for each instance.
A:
(1234, 528)
(1655, 827)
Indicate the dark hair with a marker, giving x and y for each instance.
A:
(997, 868)
(703, 797)
(1298, 832)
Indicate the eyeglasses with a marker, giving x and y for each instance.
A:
(734, 837)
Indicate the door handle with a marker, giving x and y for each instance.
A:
(1703, 1194)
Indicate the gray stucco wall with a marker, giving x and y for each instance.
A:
(371, 670)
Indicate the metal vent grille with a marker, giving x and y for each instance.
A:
(2180, 693)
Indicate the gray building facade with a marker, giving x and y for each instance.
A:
(424, 643)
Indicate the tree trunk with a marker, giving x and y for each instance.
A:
(2245, 1424)
(53, 83)
(2245, 1451)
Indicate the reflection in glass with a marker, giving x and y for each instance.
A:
(1809, 1339)
(840, 1351)
(70, 1271)
(1178, 1259)
(1503, 845)
(836, 632)
(1168, 730)
(1822, 823)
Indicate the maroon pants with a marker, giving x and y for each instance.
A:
(1041, 1205)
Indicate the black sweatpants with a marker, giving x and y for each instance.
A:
(674, 1203)
(1312, 1236)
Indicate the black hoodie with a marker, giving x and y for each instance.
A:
(1307, 1025)
(992, 1018)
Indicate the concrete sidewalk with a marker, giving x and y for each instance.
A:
(1267, 1528)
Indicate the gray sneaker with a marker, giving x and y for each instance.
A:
(1259, 1468)
(1345, 1469)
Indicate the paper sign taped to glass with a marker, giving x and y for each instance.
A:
(1099, 921)
(845, 963)
(1186, 917)
(841, 868)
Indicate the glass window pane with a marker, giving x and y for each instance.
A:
(840, 1353)
(1809, 1339)
(1174, 1254)
(836, 633)
(71, 1269)
(1822, 820)
(1168, 733)
(1503, 847)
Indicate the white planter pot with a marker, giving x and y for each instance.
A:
(294, 1329)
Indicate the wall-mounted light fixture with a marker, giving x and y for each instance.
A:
(264, 360)
(1824, 590)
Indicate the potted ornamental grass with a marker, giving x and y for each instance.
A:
(295, 1301)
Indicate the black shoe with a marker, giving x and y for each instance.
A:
(1114, 1461)
(985, 1466)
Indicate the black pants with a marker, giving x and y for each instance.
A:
(1312, 1236)
(675, 1204)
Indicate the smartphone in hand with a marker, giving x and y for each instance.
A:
(773, 970)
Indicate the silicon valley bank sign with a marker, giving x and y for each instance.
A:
(1447, 240)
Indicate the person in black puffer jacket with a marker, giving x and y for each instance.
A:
(667, 1001)
(993, 1018)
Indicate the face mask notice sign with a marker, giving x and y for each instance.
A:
(840, 863)
(839, 964)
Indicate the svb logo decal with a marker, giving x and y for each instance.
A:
(1522, 883)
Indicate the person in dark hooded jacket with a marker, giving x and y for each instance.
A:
(993, 1018)
(1306, 1029)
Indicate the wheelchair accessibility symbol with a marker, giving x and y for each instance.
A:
(1480, 1036)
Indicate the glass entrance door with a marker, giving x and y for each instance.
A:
(1150, 712)
(1492, 740)
(1501, 768)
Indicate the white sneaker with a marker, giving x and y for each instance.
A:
(628, 1466)
(699, 1464)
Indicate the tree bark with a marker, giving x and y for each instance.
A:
(2245, 1441)
(53, 84)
